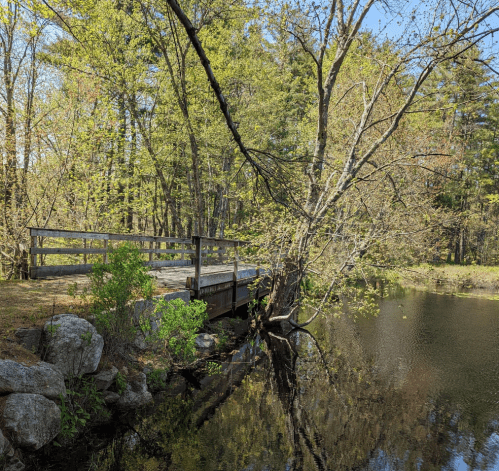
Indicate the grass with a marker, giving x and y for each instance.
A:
(460, 280)
(466, 276)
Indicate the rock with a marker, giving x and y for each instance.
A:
(8, 456)
(104, 379)
(140, 342)
(15, 464)
(41, 378)
(136, 393)
(145, 307)
(6, 448)
(30, 339)
(205, 343)
(60, 316)
(74, 345)
(176, 386)
(31, 419)
(110, 397)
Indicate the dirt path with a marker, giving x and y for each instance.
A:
(29, 303)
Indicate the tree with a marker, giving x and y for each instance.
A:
(21, 36)
(160, 92)
(327, 32)
(466, 125)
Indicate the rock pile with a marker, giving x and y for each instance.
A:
(68, 347)
(29, 395)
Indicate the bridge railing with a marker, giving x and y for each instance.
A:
(47, 242)
(225, 289)
(204, 245)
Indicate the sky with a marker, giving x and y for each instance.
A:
(387, 26)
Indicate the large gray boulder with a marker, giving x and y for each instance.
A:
(73, 344)
(41, 378)
(31, 420)
(136, 393)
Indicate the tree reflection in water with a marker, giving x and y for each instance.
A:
(340, 416)
(313, 403)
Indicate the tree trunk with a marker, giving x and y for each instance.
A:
(122, 173)
(179, 87)
(220, 202)
(10, 145)
(32, 78)
(131, 171)
(324, 191)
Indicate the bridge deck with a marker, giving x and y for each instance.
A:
(176, 277)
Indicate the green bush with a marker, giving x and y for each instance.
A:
(113, 288)
(82, 401)
(222, 333)
(177, 327)
(120, 383)
(156, 379)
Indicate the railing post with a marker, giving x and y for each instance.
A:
(34, 244)
(151, 248)
(234, 278)
(106, 259)
(84, 254)
(158, 248)
(197, 263)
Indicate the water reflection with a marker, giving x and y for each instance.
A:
(413, 389)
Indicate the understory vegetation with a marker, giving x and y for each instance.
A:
(168, 327)
(81, 404)
(177, 325)
(114, 288)
(467, 280)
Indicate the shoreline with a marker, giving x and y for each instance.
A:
(453, 280)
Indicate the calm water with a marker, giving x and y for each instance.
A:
(416, 388)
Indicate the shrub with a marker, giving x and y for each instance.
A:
(156, 379)
(177, 327)
(113, 288)
(120, 383)
(82, 401)
(223, 333)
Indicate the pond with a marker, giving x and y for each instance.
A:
(415, 388)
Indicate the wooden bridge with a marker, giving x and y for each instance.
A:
(209, 268)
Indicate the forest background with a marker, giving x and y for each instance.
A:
(108, 123)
